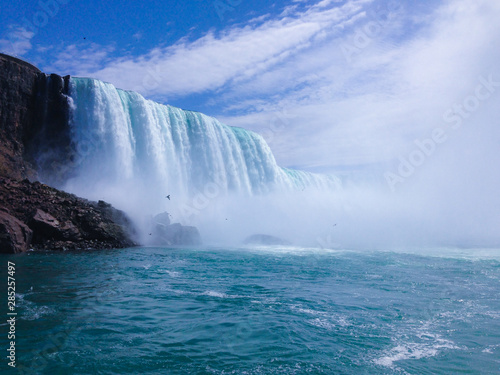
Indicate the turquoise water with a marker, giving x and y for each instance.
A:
(256, 311)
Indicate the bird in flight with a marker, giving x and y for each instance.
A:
(168, 197)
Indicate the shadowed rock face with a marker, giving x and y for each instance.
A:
(17, 104)
(48, 140)
(15, 236)
(47, 227)
(34, 122)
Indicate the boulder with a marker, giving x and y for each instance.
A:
(15, 236)
(46, 226)
(69, 231)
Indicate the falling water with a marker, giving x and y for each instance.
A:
(134, 152)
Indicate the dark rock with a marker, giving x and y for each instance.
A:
(115, 221)
(175, 235)
(17, 108)
(34, 123)
(44, 224)
(15, 236)
(265, 239)
(102, 204)
(63, 221)
(47, 227)
(47, 141)
(69, 231)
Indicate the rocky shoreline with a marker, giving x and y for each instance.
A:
(36, 216)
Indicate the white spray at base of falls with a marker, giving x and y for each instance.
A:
(134, 152)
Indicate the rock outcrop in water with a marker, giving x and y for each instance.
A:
(163, 233)
(34, 135)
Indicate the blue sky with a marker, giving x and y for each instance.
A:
(333, 85)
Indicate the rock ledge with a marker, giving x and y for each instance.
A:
(36, 216)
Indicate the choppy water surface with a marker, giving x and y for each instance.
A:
(257, 311)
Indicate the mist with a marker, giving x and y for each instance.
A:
(449, 200)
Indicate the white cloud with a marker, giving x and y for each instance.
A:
(237, 54)
(17, 41)
(395, 89)
(404, 67)
(82, 61)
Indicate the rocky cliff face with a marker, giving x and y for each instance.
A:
(48, 141)
(34, 136)
(17, 103)
(34, 122)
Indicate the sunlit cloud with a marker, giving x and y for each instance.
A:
(80, 61)
(17, 41)
(216, 59)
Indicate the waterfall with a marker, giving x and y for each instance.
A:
(119, 135)
(133, 152)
